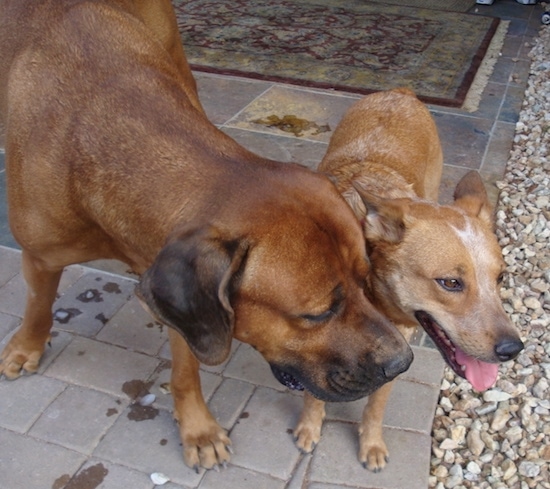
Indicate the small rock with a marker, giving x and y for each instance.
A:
(495, 396)
(529, 469)
(448, 444)
(473, 468)
(509, 469)
(500, 419)
(458, 434)
(147, 400)
(514, 434)
(475, 444)
(159, 479)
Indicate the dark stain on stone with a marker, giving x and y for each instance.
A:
(136, 388)
(63, 316)
(90, 478)
(293, 124)
(112, 288)
(60, 482)
(142, 413)
(101, 318)
(81, 353)
(90, 295)
(163, 442)
(111, 412)
(244, 415)
(155, 325)
(290, 431)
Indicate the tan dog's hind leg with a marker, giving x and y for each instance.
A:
(205, 442)
(25, 348)
(308, 430)
(373, 453)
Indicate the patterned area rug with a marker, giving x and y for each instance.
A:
(359, 47)
(450, 5)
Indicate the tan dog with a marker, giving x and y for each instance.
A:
(109, 155)
(436, 265)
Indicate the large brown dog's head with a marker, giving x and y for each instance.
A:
(287, 277)
(442, 265)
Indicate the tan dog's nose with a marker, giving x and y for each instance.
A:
(508, 348)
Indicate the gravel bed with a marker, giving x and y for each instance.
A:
(501, 438)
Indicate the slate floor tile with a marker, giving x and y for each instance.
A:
(23, 400)
(78, 418)
(100, 366)
(23, 462)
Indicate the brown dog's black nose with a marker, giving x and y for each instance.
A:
(508, 348)
(398, 364)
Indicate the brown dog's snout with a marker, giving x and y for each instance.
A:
(398, 364)
(508, 348)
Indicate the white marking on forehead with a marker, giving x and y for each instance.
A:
(477, 244)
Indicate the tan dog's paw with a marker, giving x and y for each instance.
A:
(16, 359)
(373, 454)
(307, 435)
(208, 449)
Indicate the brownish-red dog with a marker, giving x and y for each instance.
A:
(110, 155)
(436, 265)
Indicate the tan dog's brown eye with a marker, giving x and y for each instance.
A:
(450, 284)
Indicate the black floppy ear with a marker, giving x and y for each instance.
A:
(189, 287)
(385, 218)
(470, 195)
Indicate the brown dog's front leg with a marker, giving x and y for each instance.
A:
(308, 431)
(25, 348)
(205, 442)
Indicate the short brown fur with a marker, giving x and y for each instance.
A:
(110, 155)
(438, 265)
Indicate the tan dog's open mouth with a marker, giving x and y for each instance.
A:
(481, 375)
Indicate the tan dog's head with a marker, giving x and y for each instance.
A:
(286, 277)
(442, 265)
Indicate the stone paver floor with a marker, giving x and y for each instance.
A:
(76, 425)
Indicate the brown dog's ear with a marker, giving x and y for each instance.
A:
(189, 287)
(385, 218)
(470, 195)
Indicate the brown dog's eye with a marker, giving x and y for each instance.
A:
(451, 284)
(318, 318)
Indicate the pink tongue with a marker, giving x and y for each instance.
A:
(481, 375)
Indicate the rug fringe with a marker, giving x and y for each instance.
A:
(473, 97)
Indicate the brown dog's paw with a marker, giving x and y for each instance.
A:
(16, 359)
(208, 450)
(373, 455)
(307, 435)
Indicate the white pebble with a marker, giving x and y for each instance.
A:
(159, 479)
(147, 400)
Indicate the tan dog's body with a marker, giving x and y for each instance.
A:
(430, 264)
(110, 155)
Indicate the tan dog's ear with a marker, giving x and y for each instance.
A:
(385, 218)
(189, 288)
(470, 195)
